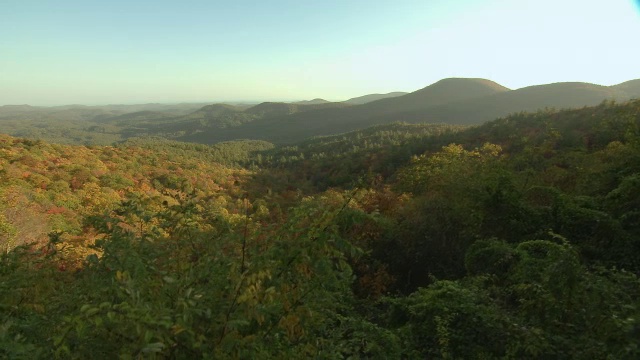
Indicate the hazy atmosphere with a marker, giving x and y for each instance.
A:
(100, 52)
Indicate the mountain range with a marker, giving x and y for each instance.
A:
(465, 101)
(462, 101)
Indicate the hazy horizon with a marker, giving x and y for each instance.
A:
(73, 52)
(241, 102)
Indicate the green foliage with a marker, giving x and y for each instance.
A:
(450, 320)
(515, 239)
(532, 300)
(369, 154)
(492, 256)
(7, 234)
(181, 282)
(448, 167)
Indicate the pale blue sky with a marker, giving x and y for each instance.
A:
(128, 51)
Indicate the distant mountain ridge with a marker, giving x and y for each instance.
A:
(173, 109)
(373, 97)
(458, 101)
(312, 102)
(271, 109)
(452, 101)
(631, 87)
(438, 93)
(295, 126)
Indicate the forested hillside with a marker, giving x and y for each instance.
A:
(519, 238)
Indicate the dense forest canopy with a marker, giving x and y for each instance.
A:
(516, 238)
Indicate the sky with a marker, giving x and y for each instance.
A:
(55, 52)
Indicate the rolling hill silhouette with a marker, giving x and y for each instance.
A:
(315, 101)
(462, 101)
(274, 109)
(631, 87)
(454, 101)
(531, 98)
(373, 97)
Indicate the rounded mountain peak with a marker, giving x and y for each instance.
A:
(470, 82)
(453, 90)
